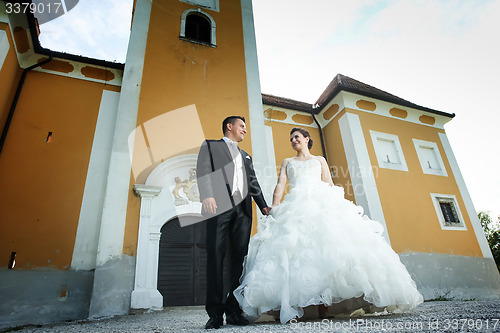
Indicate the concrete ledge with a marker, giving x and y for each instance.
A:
(113, 285)
(43, 296)
(445, 276)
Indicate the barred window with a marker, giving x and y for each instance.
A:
(448, 212)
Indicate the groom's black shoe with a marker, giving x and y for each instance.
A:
(236, 319)
(214, 322)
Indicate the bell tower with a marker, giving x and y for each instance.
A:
(190, 64)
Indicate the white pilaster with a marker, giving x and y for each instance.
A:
(4, 47)
(4, 18)
(110, 261)
(360, 169)
(146, 294)
(117, 187)
(471, 211)
(87, 235)
(271, 173)
(261, 161)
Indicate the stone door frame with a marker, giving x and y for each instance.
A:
(157, 208)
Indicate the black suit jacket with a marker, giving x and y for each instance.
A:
(217, 180)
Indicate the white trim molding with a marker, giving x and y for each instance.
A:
(77, 71)
(289, 116)
(360, 169)
(437, 199)
(208, 4)
(27, 58)
(349, 100)
(4, 18)
(346, 99)
(469, 206)
(430, 158)
(4, 47)
(388, 151)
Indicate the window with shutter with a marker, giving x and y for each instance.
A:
(388, 150)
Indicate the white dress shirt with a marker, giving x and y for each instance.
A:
(238, 178)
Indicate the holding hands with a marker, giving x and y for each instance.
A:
(266, 210)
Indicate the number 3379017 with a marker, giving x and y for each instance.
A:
(24, 7)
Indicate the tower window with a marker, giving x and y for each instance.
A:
(449, 213)
(388, 150)
(198, 27)
(430, 158)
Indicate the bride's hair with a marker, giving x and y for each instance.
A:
(305, 134)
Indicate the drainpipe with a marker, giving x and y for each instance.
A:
(16, 99)
(320, 136)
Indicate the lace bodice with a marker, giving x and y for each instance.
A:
(303, 171)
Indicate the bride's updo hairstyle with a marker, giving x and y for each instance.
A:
(305, 134)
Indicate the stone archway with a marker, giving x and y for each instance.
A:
(161, 200)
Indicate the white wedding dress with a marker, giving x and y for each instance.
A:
(319, 248)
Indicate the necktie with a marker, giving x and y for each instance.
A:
(233, 148)
(237, 160)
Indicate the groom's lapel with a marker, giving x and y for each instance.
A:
(246, 160)
(225, 149)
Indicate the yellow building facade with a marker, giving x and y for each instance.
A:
(97, 162)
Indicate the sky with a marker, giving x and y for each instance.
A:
(441, 54)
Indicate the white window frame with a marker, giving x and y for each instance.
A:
(379, 136)
(437, 198)
(213, 42)
(419, 145)
(213, 5)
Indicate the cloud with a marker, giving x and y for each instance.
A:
(439, 54)
(95, 29)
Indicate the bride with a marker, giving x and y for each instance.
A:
(318, 248)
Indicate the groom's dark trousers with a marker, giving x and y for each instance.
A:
(235, 225)
(232, 222)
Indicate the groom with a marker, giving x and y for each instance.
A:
(227, 181)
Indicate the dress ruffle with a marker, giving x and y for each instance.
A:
(319, 248)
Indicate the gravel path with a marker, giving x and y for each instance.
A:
(442, 316)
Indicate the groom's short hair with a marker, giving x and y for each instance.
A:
(230, 120)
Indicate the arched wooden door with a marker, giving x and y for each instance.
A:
(182, 264)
